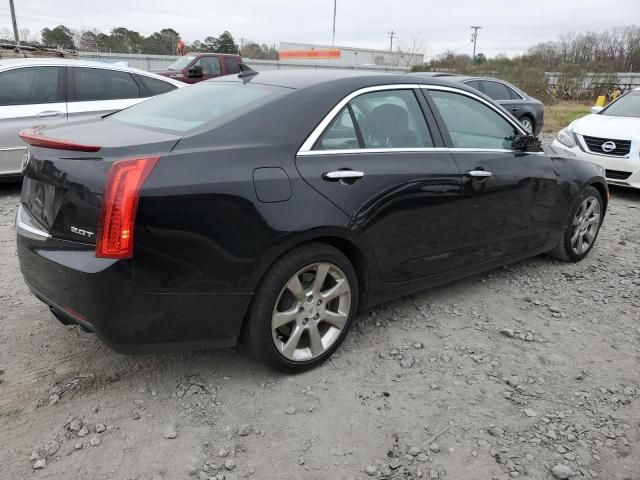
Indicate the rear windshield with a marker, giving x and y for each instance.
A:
(190, 107)
(627, 106)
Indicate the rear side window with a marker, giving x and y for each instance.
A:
(496, 91)
(514, 95)
(473, 84)
(210, 65)
(101, 84)
(155, 86)
(30, 86)
(233, 65)
(187, 108)
(385, 119)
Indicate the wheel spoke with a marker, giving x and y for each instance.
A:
(321, 275)
(295, 287)
(576, 220)
(575, 237)
(337, 319)
(281, 319)
(594, 220)
(340, 288)
(292, 344)
(315, 339)
(580, 242)
(591, 208)
(589, 236)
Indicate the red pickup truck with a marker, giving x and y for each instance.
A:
(195, 67)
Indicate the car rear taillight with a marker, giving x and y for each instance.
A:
(119, 204)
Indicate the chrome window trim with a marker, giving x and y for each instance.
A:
(28, 228)
(307, 147)
(354, 151)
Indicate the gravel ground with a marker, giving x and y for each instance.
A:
(529, 371)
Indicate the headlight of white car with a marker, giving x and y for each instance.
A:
(565, 137)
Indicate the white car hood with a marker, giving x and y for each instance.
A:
(604, 126)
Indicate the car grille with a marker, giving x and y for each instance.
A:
(594, 144)
(617, 175)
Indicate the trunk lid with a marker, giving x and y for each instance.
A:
(62, 188)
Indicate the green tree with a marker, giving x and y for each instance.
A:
(226, 44)
(60, 37)
(480, 59)
(88, 41)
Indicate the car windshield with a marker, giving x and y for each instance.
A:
(627, 106)
(181, 63)
(187, 108)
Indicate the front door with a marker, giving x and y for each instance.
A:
(29, 97)
(508, 196)
(378, 161)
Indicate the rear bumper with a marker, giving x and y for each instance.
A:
(622, 171)
(100, 295)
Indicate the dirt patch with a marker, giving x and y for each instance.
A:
(528, 371)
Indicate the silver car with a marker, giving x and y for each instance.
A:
(50, 91)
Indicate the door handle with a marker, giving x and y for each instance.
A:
(49, 114)
(342, 175)
(514, 109)
(479, 174)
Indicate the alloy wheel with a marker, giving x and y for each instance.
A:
(527, 124)
(311, 311)
(586, 223)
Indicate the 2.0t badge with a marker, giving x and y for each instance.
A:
(80, 231)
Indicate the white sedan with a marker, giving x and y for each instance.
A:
(610, 137)
(49, 91)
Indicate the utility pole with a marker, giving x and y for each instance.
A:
(474, 39)
(392, 35)
(241, 46)
(15, 24)
(335, 9)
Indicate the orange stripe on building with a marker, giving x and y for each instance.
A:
(308, 54)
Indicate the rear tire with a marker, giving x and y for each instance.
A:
(582, 227)
(528, 124)
(302, 309)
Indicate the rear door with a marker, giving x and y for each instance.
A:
(378, 158)
(94, 92)
(508, 196)
(29, 97)
(506, 97)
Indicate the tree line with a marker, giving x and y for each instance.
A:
(164, 42)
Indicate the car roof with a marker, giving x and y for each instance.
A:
(72, 62)
(301, 79)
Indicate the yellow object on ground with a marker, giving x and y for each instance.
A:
(600, 101)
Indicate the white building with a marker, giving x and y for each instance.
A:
(346, 56)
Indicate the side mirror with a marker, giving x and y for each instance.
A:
(526, 143)
(596, 109)
(195, 71)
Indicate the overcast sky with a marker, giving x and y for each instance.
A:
(509, 26)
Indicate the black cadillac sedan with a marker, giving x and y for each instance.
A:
(268, 209)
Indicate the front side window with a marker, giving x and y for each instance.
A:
(627, 106)
(92, 84)
(30, 86)
(384, 119)
(181, 63)
(496, 91)
(210, 65)
(472, 124)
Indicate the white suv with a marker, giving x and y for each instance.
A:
(49, 91)
(610, 137)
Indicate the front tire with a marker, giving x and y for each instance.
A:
(302, 309)
(582, 228)
(528, 124)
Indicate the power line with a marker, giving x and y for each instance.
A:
(392, 35)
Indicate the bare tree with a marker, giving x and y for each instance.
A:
(410, 51)
(5, 34)
(24, 35)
